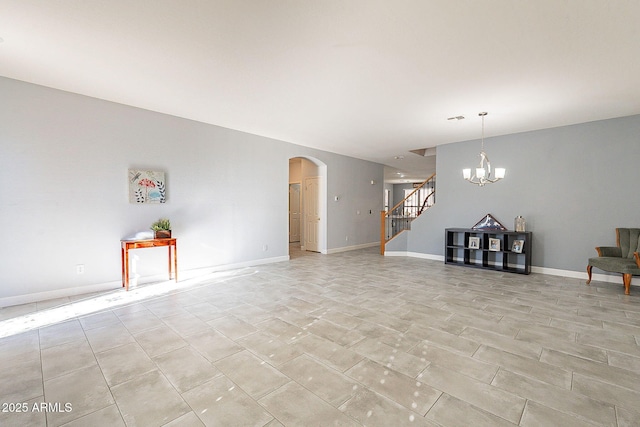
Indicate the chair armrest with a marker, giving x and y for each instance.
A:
(636, 255)
(612, 251)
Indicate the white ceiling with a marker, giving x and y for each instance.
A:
(365, 78)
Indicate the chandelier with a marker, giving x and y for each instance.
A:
(483, 174)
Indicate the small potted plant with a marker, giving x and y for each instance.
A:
(161, 229)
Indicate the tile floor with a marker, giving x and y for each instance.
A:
(347, 339)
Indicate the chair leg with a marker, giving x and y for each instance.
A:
(589, 267)
(626, 279)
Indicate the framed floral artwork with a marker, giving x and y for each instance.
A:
(147, 186)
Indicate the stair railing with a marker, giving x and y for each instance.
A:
(399, 218)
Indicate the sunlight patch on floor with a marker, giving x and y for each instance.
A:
(113, 299)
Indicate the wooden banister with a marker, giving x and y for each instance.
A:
(402, 218)
(424, 203)
(411, 194)
(383, 238)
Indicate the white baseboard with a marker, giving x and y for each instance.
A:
(608, 278)
(540, 270)
(108, 286)
(351, 248)
(58, 293)
(415, 255)
(251, 263)
(190, 274)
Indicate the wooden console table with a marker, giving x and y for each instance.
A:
(126, 245)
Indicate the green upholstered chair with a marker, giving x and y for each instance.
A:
(624, 258)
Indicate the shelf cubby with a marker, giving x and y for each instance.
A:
(499, 257)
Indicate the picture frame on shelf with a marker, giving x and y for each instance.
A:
(474, 243)
(517, 246)
(494, 244)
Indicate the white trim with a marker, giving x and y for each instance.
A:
(351, 248)
(109, 286)
(608, 278)
(244, 264)
(58, 293)
(189, 274)
(415, 255)
(578, 274)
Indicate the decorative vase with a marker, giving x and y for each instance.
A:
(519, 224)
(162, 234)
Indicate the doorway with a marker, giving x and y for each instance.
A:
(307, 205)
(295, 207)
(311, 213)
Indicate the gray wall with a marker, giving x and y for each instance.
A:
(63, 191)
(574, 185)
(355, 218)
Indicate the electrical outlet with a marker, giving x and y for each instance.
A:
(80, 269)
(265, 248)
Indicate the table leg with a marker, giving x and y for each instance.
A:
(122, 262)
(169, 257)
(126, 269)
(175, 261)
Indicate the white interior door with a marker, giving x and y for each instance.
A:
(311, 213)
(294, 213)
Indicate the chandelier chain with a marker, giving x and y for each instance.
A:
(483, 173)
(482, 139)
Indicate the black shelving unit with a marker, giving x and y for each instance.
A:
(458, 252)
